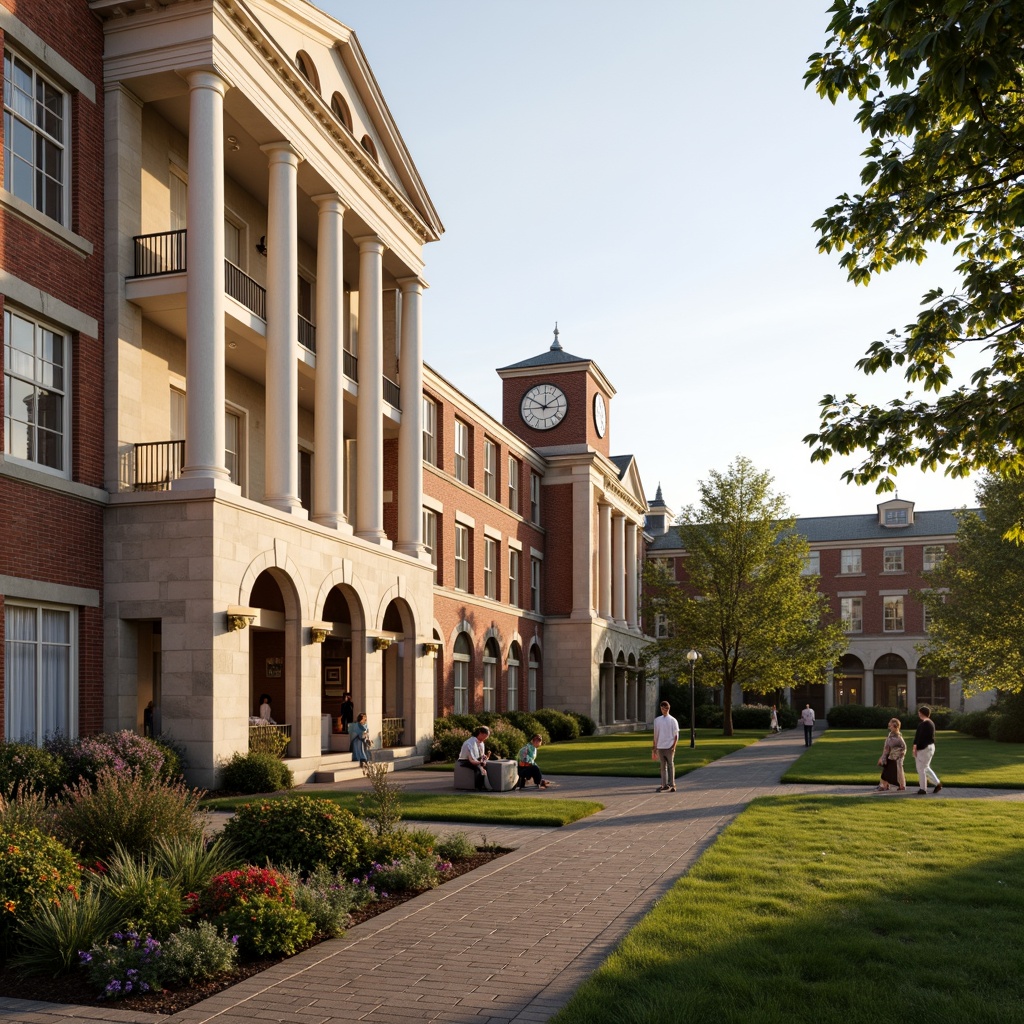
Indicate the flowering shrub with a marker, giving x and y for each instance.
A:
(34, 868)
(232, 887)
(126, 964)
(407, 874)
(198, 954)
(266, 926)
(455, 846)
(327, 899)
(258, 771)
(26, 768)
(120, 753)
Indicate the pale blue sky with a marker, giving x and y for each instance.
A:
(646, 175)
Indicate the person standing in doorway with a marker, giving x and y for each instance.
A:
(924, 750)
(666, 736)
(807, 717)
(347, 711)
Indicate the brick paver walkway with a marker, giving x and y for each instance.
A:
(511, 941)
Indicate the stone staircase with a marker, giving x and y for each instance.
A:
(341, 767)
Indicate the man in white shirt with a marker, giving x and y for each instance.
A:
(807, 717)
(666, 736)
(473, 755)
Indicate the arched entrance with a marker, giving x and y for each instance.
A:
(513, 664)
(606, 688)
(342, 661)
(848, 681)
(891, 682)
(398, 679)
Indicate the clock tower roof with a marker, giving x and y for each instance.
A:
(557, 360)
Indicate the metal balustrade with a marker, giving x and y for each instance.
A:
(307, 334)
(392, 393)
(351, 366)
(391, 731)
(156, 464)
(160, 253)
(242, 287)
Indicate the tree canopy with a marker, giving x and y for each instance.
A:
(940, 87)
(976, 614)
(746, 605)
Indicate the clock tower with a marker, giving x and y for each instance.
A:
(557, 400)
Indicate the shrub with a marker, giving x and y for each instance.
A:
(751, 716)
(447, 744)
(256, 772)
(788, 718)
(973, 723)
(559, 725)
(127, 810)
(450, 722)
(1006, 728)
(383, 806)
(527, 724)
(455, 846)
(128, 963)
(266, 926)
(189, 863)
(35, 871)
(587, 725)
(119, 753)
(27, 809)
(709, 716)
(328, 899)
(300, 832)
(233, 887)
(197, 954)
(142, 900)
(406, 874)
(860, 716)
(25, 768)
(399, 843)
(267, 741)
(505, 740)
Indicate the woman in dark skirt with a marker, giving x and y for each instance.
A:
(891, 761)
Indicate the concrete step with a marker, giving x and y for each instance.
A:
(343, 769)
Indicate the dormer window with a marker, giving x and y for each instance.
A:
(896, 513)
(895, 517)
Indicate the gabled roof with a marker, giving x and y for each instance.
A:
(555, 356)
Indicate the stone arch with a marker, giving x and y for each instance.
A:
(275, 558)
(343, 576)
(890, 672)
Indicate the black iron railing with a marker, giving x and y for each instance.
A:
(307, 334)
(351, 366)
(157, 464)
(162, 253)
(242, 287)
(392, 393)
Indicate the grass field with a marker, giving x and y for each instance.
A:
(832, 911)
(495, 809)
(628, 754)
(849, 757)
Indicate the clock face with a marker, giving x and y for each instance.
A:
(543, 407)
(600, 416)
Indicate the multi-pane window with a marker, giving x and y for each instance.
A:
(851, 613)
(461, 557)
(513, 484)
(534, 498)
(812, 564)
(39, 672)
(513, 577)
(36, 378)
(660, 625)
(892, 614)
(849, 561)
(462, 451)
(490, 568)
(892, 560)
(430, 537)
(535, 584)
(460, 672)
(35, 138)
(533, 672)
(429, 432)
(233, 445)
(933, 556)
(490, 675)
(490, 469)
(512, 684)
(895, 517)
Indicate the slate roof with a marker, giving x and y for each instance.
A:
(621, 463)
(549, 358)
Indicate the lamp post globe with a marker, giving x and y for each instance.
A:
(691, 657)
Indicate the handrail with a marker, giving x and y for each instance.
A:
(392, 393)
(164, 252)
(157, 464)
(307, 334)
(351, 366)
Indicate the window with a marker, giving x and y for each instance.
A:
(305, 296)
(177, 415)
(851, 612)
(40, 687)
(660, 625)
(367, 143)
(341, 111)
(513, 577)
(308, 69)
(512, 685)
(895, 517)
(490, 568)
(892, 560)
(233, 445)
(533, 673)
(178, 200)
(892, 614)
(535, 584)
(232, 243)
(430, 537)
(490, 469)
(849, 561)
(461, 557)
(36, 375)
(460, 672)
(933, 556)
(812, 564)
(461, 451)
(490, 675)
(429, 432)
(535, 498)
(513, 484)
(35, 139)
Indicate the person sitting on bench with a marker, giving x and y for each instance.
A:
(528, 769)
(473, 755)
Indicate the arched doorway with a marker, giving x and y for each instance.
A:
(632, 689)
(606, 688)
(848, 681)
(620, 688)
(891, 682)
(398, 681)
(535, 691)
(492, 659)
(342, 660)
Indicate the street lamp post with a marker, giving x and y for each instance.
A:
(691, 657)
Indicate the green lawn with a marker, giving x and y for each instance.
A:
(849, 757)
(494, 809)
(832, 911)
(628, 754)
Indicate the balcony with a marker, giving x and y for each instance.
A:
(155, 465)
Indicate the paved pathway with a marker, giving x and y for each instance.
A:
(511, 941)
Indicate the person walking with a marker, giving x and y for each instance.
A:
(807, 717)
(362, 745)
(924, 750)
(773, 720)
(891, 761)
(666, 736)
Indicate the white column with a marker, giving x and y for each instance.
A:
(329, 473)
(869, 687)
(911, 689)
(619, 568)
(204, 324)
(410, 430)
(370, 408)
(282, 426)
(604, 561)
(830, 688)
(631, 581)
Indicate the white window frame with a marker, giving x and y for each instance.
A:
(36, 381)
(67, 722)
(461, 451)
(897, 517)
(533, 669)
(429, 431)
(534, 497)
(850, 562)
(933, 554)
(535, 571)
(490, 673)
(237, 474)
(851, 614)
(892, 559)
(461, 557)
(812, 564)
(491, 568)
(460, 679)
(893, 620)
(512, 678)
(490, 469)
(514, 571)
(61, 142)
(513, 484)
(430, 537)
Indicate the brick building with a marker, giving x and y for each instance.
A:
(51, 291)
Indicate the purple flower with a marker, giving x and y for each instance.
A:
(84, 957)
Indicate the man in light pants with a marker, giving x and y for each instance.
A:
(924, 750)
(666, 736)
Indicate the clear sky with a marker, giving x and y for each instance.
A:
(646, 175)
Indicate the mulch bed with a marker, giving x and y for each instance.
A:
(73, 988)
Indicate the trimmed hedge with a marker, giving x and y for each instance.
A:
(27, 768)
(873, 716)
(255, 772)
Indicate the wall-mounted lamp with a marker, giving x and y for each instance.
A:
(318, 634)
(382, 643)
(240, 617)
(431, 647)
(261, 245)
